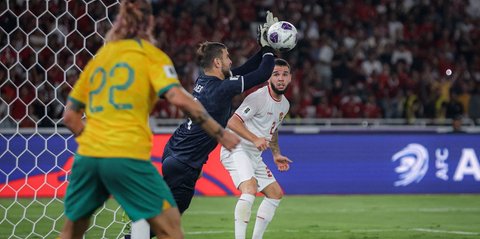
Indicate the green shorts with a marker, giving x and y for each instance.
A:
(135, 184)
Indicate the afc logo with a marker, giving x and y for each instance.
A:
(413, 163)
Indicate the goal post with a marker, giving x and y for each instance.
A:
(43, 47)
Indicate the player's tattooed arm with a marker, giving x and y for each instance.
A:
(282, 162)
(274, 144)
(198, 117)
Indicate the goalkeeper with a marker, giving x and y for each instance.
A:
(116, 91)
(188, 148)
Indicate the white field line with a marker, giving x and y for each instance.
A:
(426, 210)
(426, 230)
(444, 231)
(207, 232)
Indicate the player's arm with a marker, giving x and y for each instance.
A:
(263, 72)
(238, 84)
(282, 162)
(72, 117)
(75, 108)
(183, 100)
(237, 125)
(250, 65)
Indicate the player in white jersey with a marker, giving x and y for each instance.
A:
(256, 121)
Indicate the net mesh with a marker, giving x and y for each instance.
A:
(43, 47)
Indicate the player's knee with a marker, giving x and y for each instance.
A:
(274, 191)
(249, 187)
(280, 195)
(276, 195)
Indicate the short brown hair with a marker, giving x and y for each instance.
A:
(282, 62)
(207, 51)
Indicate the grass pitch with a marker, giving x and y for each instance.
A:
(349, 217)
(316, 217)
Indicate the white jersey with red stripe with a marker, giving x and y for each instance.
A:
(262, 114)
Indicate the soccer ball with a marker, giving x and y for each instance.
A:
(282, 36)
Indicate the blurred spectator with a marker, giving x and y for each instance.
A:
(371, 109)
(453, 108)
(371, 65)
(474, 104)
(457, 124)
(325, 109)
(351, 104)
(402, 53)
(324, 61)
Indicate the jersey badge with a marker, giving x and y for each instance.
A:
(170, 71)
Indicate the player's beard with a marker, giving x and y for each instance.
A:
(277, 91)
(227, 73)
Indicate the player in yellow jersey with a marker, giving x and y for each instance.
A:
(116, 91)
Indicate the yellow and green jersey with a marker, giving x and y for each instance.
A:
(118, 89)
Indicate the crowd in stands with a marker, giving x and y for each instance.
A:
(354, 59)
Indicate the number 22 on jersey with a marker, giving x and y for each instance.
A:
(104, 77)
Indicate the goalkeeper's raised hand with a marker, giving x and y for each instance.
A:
(262, 36)
(263, 29)
(270, 20)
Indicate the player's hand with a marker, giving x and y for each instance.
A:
(229, 140)
(270, 20)
(263, 29)
(282, 162)
(261, 143)
(262, 36)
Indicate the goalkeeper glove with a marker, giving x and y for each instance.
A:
(263, 29)
(262, 36)
(270, 20)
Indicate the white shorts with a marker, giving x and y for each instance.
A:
(243, 166)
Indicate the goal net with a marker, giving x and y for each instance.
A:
(43, 47)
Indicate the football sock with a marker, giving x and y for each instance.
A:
(140, 230)
(243, 210)
(264, 216)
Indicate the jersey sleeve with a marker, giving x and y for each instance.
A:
(250, 106)
(232, 86)
(250, 65)
(162, 74)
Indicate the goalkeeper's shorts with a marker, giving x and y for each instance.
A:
(135, 184)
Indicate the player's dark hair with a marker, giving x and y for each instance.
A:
(207, 51)
(282, 62)
(133, 21)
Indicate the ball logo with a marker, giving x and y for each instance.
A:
(286, 26)
(274, 37)
(413, 164)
